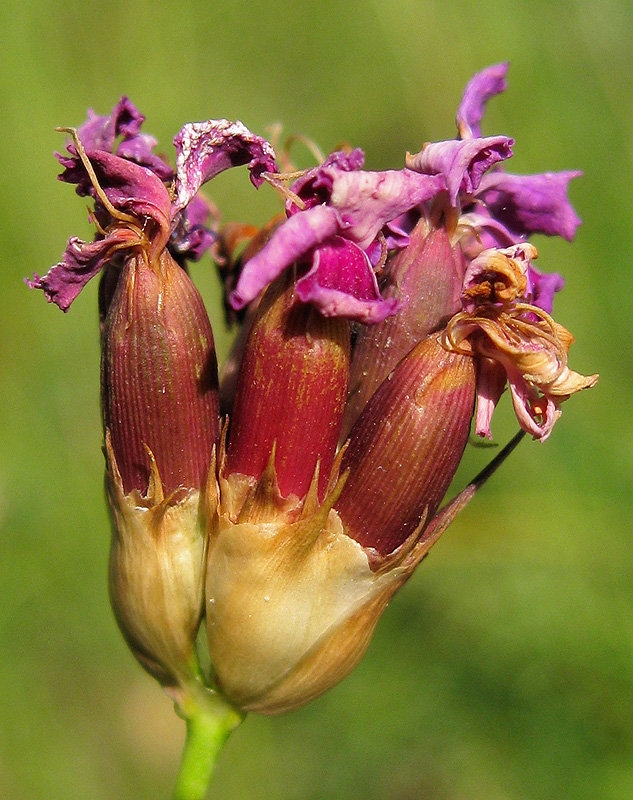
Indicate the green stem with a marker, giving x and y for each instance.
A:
(210, 722)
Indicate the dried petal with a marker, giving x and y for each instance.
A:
(482, 87)
(462, 163)
(81, 262)
(204, 149)
(531, 203)
(497, 277)
(532, 349)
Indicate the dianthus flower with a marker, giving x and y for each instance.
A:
(382, 308)
(483, 208)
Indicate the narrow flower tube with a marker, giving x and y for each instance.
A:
(291, 392)
(159, 377)
(159, 386)
(406, 446)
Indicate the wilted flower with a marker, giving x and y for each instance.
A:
(159, 371)
(515, 339)
(376, 322)
(483, 207)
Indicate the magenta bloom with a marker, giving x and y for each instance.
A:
(338, 237)
(502, 208)
(133, 181)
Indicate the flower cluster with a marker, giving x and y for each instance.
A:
(380, 314)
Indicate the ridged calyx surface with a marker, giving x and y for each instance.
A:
(291, 392)
(159, 376)
(425, 277)
(406, 446)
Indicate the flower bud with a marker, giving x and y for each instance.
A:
(406, 446)
(160, 410)
(291, 393)
(426, 278)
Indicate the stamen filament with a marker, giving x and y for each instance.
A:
(114, 212)
(275, 180)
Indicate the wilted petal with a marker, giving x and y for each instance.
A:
(481, 87)
(139, 149)
(535, 414)
(531, 203)
(397, 231)
(480, 231)
(532, 349)
(359, 207)
(462, 163)
(542, 287)
(100, 132)
(134, 190)
(342, 283)
(497, 277)
(491, 381)
(204, 149)
(81, 262)
(291, 240)
(367, 201)
(191, 237)
(315, 185)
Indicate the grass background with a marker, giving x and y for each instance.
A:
(504, 669)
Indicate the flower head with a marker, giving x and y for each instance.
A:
(290, 527)
(159, 382)
(496, 208)
(337, 233)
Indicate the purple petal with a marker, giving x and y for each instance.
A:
(531, 203)
(485, 233)
(134, 190)
(100, 132)
(342, 283)
(139, 149)
(292, 239)
(397, 230)
(81, 262)
(542, 287)
(462, 163)
(204, 149)
(191, 236)
(316, 184)
(481, 87)
(367, 201)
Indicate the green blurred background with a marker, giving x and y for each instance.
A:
(504, 669)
